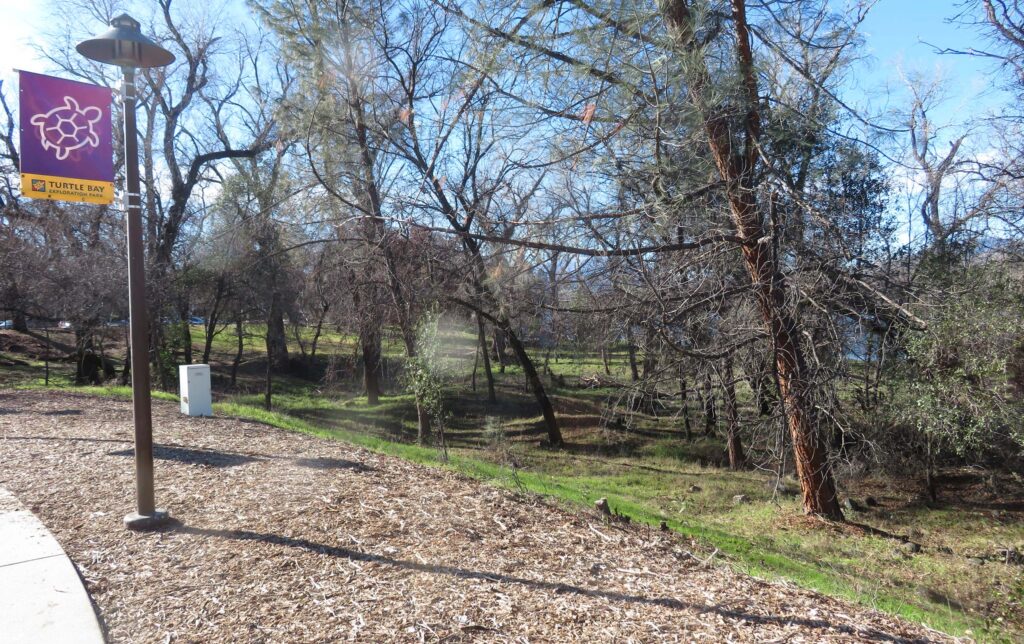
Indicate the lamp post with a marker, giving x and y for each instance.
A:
(125, 46)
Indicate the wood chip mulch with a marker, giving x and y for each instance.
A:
(285, 537)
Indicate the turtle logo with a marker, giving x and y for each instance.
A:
(68, 127)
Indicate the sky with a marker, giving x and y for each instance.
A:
(19, 19)
(901, 36)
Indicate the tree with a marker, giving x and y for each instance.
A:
(953, 390)
(184, 109)
(713, 55)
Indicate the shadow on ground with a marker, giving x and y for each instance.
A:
(333, 464)
(560, 588)
(205, 457)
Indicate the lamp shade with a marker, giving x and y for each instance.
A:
(124, 45)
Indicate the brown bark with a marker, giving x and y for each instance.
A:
(126, 372)
(710, 415)
(186, 340)
(533, 379)
(184, 305)
(483, 296)
(499, 349)
(19, 320)
(87, 369)
(277, 341)
(210, 328)
(631, 351)
(324, 308)
(735, 152)
(158, 339)
(737, 460)
(481, 331)
(422, 422)
(377, 236)
(503, 326)
(684, 402)
(650, 361)
(369, 343)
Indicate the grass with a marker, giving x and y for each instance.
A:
(646, 472)
(823, 559)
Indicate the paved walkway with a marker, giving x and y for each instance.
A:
(41, 595)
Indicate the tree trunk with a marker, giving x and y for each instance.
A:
(210, 330)
(319, 329)
(684, 402)
(499, 349)
(650, 361)
(762, 386)
(737, 460)
(299, 342)
(710, 415)
(736, 154)
(87, 364)
(277, 341)
(422, 422)
(13, 296)
(604, 359)
(422, 413)
(810, 457)
(931, 485)
(482, 336)
(554, 434)
(126, 371)
(213, 318)
(186, 340)
(631, 350)
(476, 365)
(369, 343)
(19, 322)
(157, 344)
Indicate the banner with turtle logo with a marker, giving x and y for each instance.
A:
(66, 140)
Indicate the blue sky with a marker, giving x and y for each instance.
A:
(899, 34)
(900, 29)
(904, 34)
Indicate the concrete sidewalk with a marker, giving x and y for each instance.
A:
(42, 598)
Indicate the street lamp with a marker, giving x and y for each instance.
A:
(125, 46)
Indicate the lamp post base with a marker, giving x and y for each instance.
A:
(141, 522)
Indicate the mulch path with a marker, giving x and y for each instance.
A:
(287, 537)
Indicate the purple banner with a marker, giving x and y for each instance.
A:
(65, 129)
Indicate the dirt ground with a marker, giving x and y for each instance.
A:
(286, 537)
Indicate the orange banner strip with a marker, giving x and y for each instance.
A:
(41, 186)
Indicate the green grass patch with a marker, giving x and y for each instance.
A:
(651, 495)
(645, 469)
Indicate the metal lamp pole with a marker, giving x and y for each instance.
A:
(124, 45)
(138, 316)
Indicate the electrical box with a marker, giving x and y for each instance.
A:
(194, 383)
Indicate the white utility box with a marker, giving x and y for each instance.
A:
(194, 383)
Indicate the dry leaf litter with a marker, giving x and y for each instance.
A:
(284, 537)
